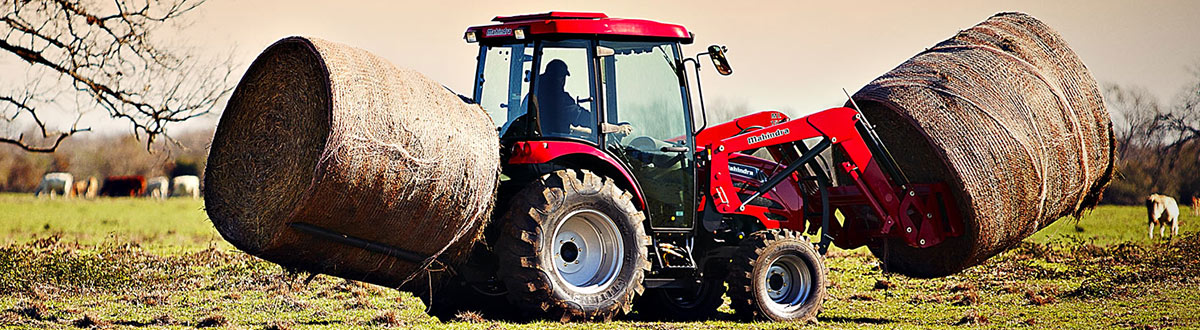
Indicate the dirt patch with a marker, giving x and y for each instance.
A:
(212, 320)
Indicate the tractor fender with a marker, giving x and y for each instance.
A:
(579, 155)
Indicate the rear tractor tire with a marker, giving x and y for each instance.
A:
(777, 275)
(573, 248)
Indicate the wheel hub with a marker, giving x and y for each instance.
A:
(569, 252)
(588, 251)
(787, 283)
(777, 282)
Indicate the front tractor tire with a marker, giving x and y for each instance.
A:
(573, 248)
(777, 275)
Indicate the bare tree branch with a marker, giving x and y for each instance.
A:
(110, 54)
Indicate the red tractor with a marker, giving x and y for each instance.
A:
(611, 199)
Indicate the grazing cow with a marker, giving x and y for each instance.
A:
(156, 187)
(93, 188)
(86, 188)
(186, 185)
(56, 183)
(1162, 211)
(80, 188)
(124, 186)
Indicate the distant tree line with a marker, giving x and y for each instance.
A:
(102, 156)
(1158, 144)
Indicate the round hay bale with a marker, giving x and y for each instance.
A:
(1010, 118)
(335, 138)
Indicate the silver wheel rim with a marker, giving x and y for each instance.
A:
(787, 283)
(587, 251)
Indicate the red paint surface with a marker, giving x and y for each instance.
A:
(869, 185)
(541, 152)
(577, 23)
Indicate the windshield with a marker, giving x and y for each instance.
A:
(644, 91)
(502, 80)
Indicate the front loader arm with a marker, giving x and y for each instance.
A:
(921, 214)
(740, 125)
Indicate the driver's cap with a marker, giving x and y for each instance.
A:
(557, 67)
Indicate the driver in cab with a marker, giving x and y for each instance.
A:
(560, 112)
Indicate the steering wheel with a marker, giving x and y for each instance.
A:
(646, 150)
(643, 143)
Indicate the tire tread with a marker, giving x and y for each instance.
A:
(521, 237)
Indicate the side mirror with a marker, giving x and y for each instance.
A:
(717, 53)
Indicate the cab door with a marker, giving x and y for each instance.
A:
(647, 126)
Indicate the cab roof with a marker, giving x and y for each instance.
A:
(575, 24)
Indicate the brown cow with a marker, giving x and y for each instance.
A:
(87, 188)
(124, 186)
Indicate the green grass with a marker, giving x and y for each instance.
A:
(176, 223)
(1108, 224)
(131, 263)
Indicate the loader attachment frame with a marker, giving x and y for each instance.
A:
(919, 214)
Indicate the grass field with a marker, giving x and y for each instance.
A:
(131, 263)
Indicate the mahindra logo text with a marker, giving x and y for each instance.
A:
(767, 136)
(498, 32)
(743, 171)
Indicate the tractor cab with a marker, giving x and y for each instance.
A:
(563, 67)
(610, 93)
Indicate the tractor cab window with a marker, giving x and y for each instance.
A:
(501, 82)
(647, 126)
(562, 91)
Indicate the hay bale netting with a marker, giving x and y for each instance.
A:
(335, 137)
(1011, 119)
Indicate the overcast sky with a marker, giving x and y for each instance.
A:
(790, 55)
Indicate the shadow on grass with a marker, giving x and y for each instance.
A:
(861, 320)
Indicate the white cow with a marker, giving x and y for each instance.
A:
(186, 185)
(156, 187)
(1156, 206)
(56, 183)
